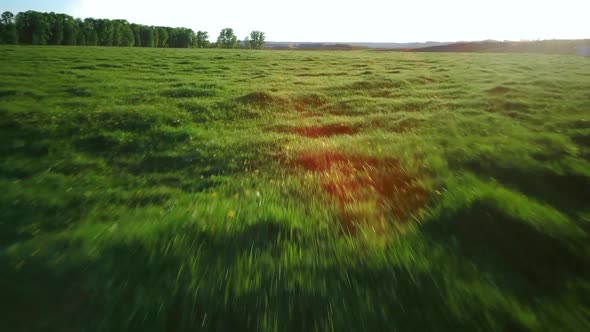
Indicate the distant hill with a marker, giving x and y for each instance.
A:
(580, 47)
(310, 46)
(401, 45)
(351, 45)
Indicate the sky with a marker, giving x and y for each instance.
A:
(344, 20)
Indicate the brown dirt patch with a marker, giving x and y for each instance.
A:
(309, 102)
(368, 192)
(423, 80)
(375, 88)
(503, 105)
(261, 99)
(499, 90)
(324, 131)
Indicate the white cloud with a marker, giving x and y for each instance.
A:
(369, 20)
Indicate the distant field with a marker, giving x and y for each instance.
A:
(183, 190)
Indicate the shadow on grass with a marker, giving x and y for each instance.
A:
(373, 87)
(261, 99)
(194, 164)
(518, 257)
(567, 192)
(21, 137)
(140, 286)
(321, 131)
(22, 219)
(187, 92)
(136, 286)
(37, 298)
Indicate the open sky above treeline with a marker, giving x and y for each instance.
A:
(344, 21)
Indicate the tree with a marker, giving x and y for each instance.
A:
(127, 36)
(202, 39)
(7, 18)
(7, 28)
(181, 38)
(155, 41)
(87, 32)
(117, 33)
(147, 36)
(256, 39)
(163, 37)
(105, 32)
(136, 34)
(227, 39)
(56, 30)
(70, 30)
(32, 28)
(38, 28)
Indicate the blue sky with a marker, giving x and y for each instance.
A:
(344, 20)
(39, 5)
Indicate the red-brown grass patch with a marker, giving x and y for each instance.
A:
(499, 90)
(367, 191)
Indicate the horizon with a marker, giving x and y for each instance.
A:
(422, 42)
(528, 21)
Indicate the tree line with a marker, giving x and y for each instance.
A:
(36, 28)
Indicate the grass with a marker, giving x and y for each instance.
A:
(177, 190)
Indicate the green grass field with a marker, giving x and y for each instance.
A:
(183, 190)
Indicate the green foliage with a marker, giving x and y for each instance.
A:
(56, 23)
(256, 40)
(105, 31)
(162, 36)
(87, 34)
(33, 28)
(181, 38)
(227, 39)
(202, 39)
(70, 31)
(37, 28)
(127, 36)
(7, 18)
(147, 36)
(8, 33)
(222, 190)
(136, 34)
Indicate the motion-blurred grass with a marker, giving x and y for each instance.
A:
(177, 190)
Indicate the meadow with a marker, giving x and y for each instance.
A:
(236, 190)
